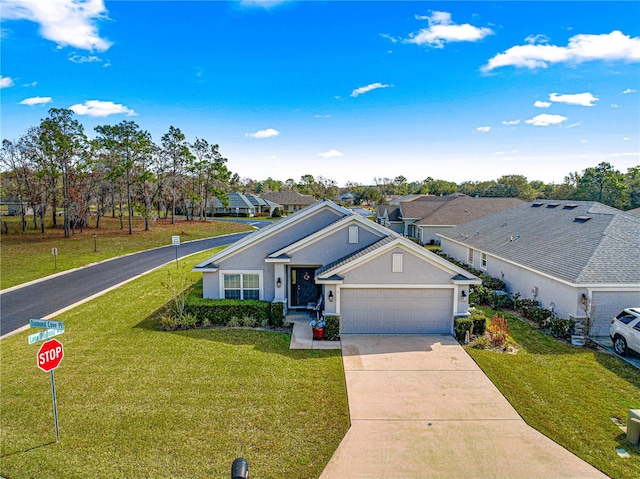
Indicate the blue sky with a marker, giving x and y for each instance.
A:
(352, 91)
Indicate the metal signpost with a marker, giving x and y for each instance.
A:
(175, 241)
(49, 356)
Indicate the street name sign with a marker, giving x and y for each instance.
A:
(46, 324)
(42, 335)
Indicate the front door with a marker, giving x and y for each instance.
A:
(303, 288)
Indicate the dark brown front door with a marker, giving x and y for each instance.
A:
(303, 288)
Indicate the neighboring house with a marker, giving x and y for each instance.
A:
(435, 216)
(239, 205)
(291, 201)
(375, 280)
(423, 216)
(262, 205)
(571, 256)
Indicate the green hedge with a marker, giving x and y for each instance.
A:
(476, 324)
(221, 311)
(332, 329)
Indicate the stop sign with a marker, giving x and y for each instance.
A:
(50, 355)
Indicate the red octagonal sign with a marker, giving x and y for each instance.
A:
(50, 355)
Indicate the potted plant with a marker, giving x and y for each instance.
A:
(318, 328)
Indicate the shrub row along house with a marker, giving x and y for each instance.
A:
(577, 258)
(374, 279)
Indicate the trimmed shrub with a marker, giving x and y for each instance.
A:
(332, 328)
(560, 328)
(479, 322)
(492, 283)
(461, 326)
(277, 314)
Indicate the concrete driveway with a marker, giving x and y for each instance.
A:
(421, 407)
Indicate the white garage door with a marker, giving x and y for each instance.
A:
(396, 311)
(607, 304)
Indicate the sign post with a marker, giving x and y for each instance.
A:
(54, 252)
(175, 241)
(49, 356)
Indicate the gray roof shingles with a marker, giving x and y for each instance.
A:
(604, 249)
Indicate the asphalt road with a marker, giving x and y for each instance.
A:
(50, 295)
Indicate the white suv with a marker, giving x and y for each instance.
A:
(625, 331)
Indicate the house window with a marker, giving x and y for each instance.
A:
(396, 266)
(470, 256)
(484, 260)
(241, 285)
(353, 234)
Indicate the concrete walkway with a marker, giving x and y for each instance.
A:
(302, 336)
(421, 407)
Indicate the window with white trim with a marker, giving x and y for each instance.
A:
(396, 266)
(353, 234)
(241, 285)
(484, 261)
(470, 256)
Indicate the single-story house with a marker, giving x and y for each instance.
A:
(262, 205)
(573, 257)
(375, 280)
(424, 216)
(291, 201)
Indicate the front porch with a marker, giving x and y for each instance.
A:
(302, 336)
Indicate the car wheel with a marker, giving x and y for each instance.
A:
(620, 345)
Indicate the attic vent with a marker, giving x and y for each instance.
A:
(553, 205)
(537, 205)
(582, 219)
(570, 206)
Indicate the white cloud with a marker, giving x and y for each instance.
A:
(322, 116)
(582, 99)
(33, 83)
(75, 58)
(442, 30)
(581, 48)
(511, 122)
(65, 22)
(268, 133)
(331, 154)
(629, 90)
(546, 120)
(98, 108)
(36, 100)
(261, 3)
(542, 104)
(6, 82)
(573, 125)
(365, 89)
(537, 39)
(615, 105)
(483, 129)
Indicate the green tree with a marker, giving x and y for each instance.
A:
(516, 186)
(63, 140)
(632, 182)
(603, 184)
(176, 150)
(128, 144)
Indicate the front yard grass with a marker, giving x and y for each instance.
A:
(27, 256)
(135, 402)
(569, 394)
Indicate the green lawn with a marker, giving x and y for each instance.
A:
(27, 256)
(569, 394)
(135, 402)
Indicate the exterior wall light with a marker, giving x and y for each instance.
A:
(279, 283)
(464, 295)
(331, 296)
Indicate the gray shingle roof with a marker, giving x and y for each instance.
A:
(454, 210)
(393, 212)
(288, 198)
(603, 247)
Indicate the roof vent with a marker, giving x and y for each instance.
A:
(553, 205)
(582, 219)
(570, 206)
(536, 205)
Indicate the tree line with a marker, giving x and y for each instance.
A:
(56, 168)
